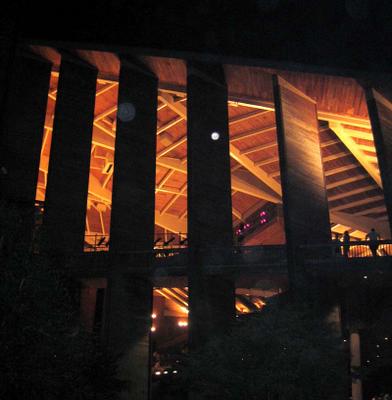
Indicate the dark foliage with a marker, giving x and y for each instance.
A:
(45, 353)
(283, 353)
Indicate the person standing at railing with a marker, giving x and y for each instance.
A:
(336, 245)
(346, 243)
(373, 238)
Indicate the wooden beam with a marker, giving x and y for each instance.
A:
(252, 132)
(345, 181)
(245, 117)
(361, 223)
(237, 183)
(248, 164)
(171, 222)
(351, 192)
(260, 147)
(173, 146)
(373, 210)
(357, 203)
(336, 156)
(338, 170)
(356, 152)
(169, 124)
(267, 161)
(173, 199)
(359, 134)
(177, 107)
(254, 102)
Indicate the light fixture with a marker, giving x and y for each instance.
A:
(153, 315)
(153, 329)
(215, 135)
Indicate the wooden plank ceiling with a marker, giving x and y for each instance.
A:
(350, 163)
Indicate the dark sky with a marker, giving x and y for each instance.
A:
(348, 33)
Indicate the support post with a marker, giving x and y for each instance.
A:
(23, 128)
(211, 297)
(69, 164)
(129, 300)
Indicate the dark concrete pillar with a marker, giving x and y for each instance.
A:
(88, 301)
(69, 164)
(91, 303)
(133, 198)
(380, 114)
(129, 301)
(23, 127)
(305, 204)
(8, 39)
(211, 298)
(127, 328)
(355, 364)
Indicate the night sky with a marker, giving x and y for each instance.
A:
(350, 34)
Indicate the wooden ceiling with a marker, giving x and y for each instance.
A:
(353, 181)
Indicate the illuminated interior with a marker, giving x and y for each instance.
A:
(352, 176)
(169, 320)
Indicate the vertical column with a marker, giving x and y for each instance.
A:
(211, 298)
(91, 303)
(7, 53)
(380, 114)
(133, 195)
(305, 201)
(127, 331)
(69, 165)
(129, 301)
(23, 123)
(355, 354)
(88, 302)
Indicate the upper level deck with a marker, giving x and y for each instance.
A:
(243, 260)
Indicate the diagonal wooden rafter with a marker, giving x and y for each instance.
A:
(357, 203)
(361, 223)
(259, 173)
(356, 152)
(351, 192)
(234, 153)
(237, 183)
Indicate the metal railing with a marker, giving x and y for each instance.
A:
(354, 249)
(223, 256)
(170, 240)
(97, 242)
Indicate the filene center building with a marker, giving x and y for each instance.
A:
(188, 164)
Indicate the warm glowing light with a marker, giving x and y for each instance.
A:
(175, 372)
(158, 373)
(185, 310)
(386, 338)
(153, 329)
(153, 316)
(365, 277)
(165, 372)
(215, 135)
(182, 324)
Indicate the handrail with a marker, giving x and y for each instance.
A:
(352, 249)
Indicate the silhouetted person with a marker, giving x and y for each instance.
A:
(336, 245)
(346, 243)
(373, 238)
